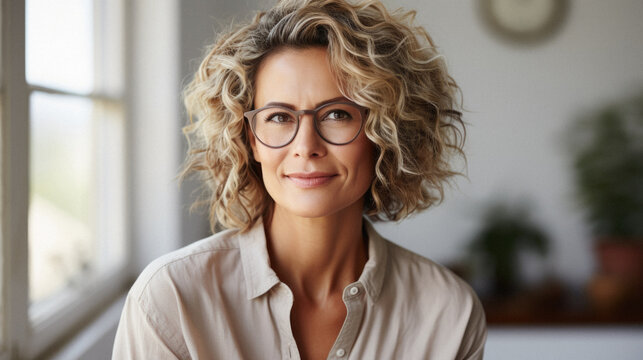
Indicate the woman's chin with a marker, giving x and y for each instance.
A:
(313, 207)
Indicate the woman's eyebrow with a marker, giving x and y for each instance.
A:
(290, 106)
(339, 98)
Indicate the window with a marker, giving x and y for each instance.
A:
(63, 169)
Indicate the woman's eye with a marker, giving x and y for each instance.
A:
(279, 118)
(337, 115)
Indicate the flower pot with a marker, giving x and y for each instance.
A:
(619, 281)
(621, 258)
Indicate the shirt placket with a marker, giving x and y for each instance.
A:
(282, 306)
(354, 299)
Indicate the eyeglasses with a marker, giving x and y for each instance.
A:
(338, 123)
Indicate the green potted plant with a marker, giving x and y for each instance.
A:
(607, 149)
(506, 231)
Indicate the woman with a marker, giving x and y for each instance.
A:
(312, 116)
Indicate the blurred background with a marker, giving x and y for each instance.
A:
(546, 224)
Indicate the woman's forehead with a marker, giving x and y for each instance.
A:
(301, 77)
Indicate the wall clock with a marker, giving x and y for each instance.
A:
(524, 21)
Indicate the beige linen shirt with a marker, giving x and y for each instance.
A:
(219, 299)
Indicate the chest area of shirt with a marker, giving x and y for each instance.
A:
(315, 334)
(315, 327)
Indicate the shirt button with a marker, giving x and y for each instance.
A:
(340, 352)
(354, 290)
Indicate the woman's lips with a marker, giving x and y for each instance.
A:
(310, 180)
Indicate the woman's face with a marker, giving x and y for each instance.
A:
(309, 177)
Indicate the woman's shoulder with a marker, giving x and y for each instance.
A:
(185, 266)
(425, 277)
(432, 291)
(429, 296)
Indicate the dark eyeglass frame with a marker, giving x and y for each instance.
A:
(250, 115)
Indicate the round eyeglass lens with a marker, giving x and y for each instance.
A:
(275, 126)
(339, 123)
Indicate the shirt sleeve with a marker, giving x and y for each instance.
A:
(138, 338)
(475, 336)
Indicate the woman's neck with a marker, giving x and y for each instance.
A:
(317, 257)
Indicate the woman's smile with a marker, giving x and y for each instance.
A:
(306, 180)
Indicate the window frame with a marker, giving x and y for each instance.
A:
(26, 333)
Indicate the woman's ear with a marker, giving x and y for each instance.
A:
(253, 146)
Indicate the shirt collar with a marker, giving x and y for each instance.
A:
(255, 261)
(260, 277)
(375, 268)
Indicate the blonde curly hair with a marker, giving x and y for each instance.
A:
(381, 61)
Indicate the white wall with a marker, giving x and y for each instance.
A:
(153, 125)
(520, 99)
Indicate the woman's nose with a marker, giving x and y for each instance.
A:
(307, 143)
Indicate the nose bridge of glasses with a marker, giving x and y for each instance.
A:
(311, 125)
(301, 113)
